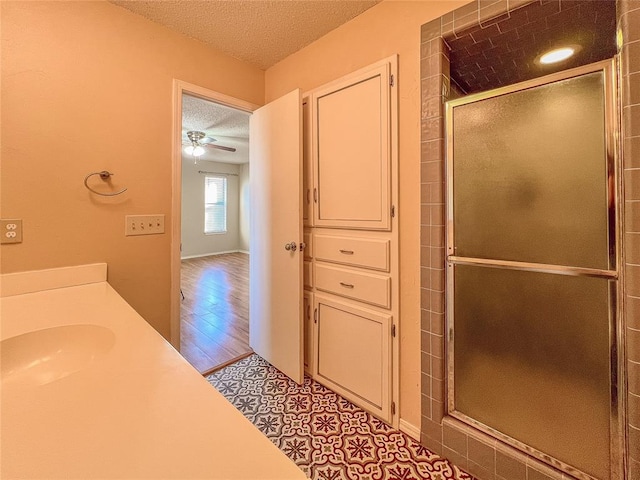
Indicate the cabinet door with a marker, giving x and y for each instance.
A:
(308, 332)
(352, 151)
(353, 353)
(307, 168)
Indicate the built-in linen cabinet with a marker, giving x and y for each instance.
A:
(308, 301)
(351, 254)
(308, 244)
(309, 349)
(307, 278)
(307, 170)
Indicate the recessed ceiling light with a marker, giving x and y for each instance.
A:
(556, 55)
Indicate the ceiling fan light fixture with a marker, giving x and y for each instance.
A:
(194, 150)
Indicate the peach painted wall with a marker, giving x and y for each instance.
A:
(87, 86)
(392, 26)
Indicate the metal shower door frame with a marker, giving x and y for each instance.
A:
(613, 274)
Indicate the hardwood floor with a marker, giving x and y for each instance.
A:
(214, 315)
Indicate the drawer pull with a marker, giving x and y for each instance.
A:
(347, 252)
(346, 285)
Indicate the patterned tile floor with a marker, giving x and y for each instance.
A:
(328, 437)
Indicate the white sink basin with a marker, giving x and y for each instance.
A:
(43, 356)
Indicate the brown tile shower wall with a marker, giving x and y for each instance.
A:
(432, 238)
(629, 20)
(475, 452)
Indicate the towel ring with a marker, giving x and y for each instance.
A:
(104, 175)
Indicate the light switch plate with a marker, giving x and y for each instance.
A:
(144, 225)
(11, 231)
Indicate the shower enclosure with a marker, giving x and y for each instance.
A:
(532, 267)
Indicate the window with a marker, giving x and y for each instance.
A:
(215, 205)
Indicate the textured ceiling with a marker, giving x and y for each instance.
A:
(261, 32)
(228, 126)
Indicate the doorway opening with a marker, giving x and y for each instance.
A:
(275, 220)
(210, 235)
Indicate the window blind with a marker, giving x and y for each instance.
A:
(215, 205)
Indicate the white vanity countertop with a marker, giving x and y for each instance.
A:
(139, 410)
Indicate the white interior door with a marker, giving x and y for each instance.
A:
(275, 278)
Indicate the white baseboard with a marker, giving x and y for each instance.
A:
(210, 254)
(244, 251)
(409, 429)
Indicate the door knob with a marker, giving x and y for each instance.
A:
(293, 246)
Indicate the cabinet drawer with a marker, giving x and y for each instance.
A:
(366, 287)
(360, 252)
(307, 278)
(308, 245)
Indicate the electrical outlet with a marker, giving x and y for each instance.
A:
(143, 225)
(11, 231)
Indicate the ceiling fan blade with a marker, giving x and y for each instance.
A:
(219, 147)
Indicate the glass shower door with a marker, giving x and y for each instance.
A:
(531, 267)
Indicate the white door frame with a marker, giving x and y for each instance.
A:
(180, 88)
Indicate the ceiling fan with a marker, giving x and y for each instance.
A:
(196, 147)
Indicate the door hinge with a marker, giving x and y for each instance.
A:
(315, 195)
(393, 211)
(393, 330)
(315, 315)
(391, 80)
(393, 408)
(451, 334)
